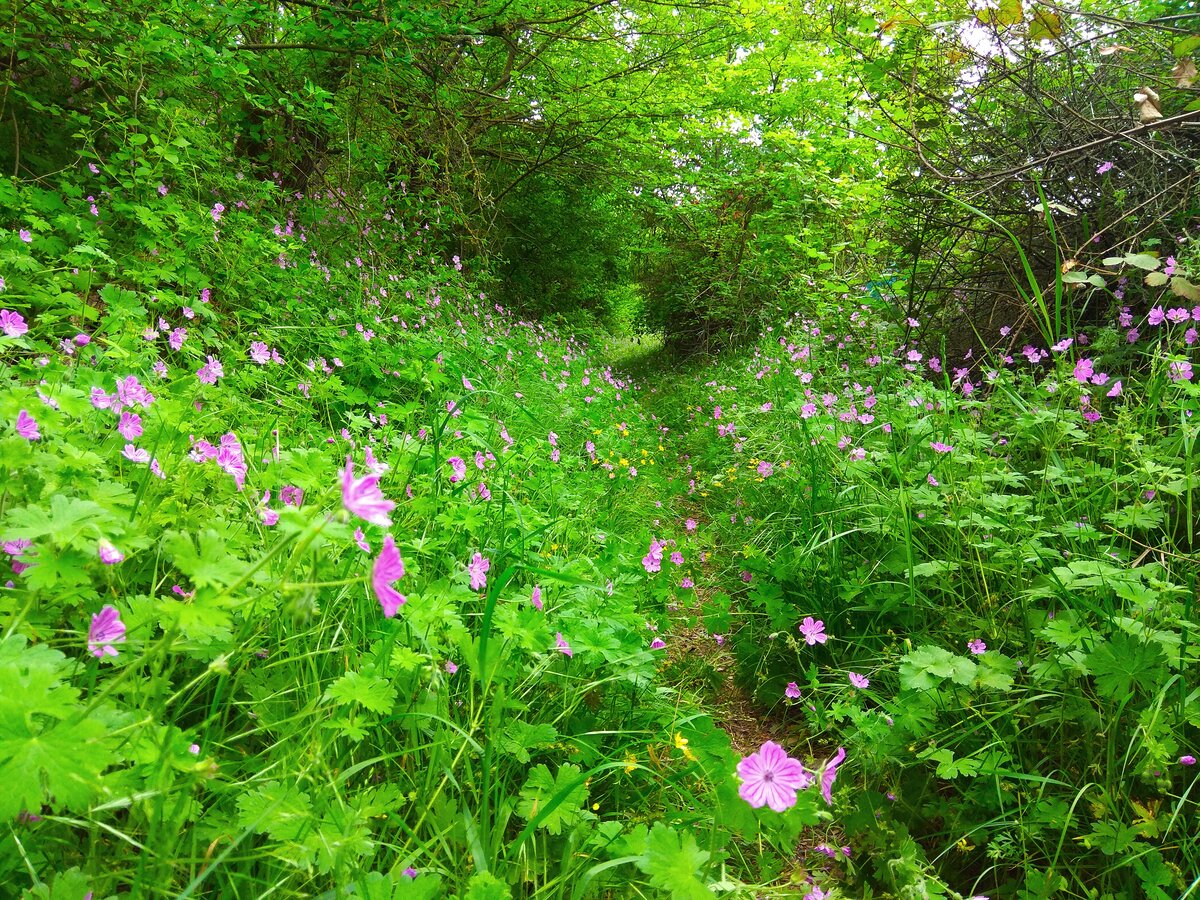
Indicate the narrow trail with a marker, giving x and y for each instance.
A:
(705, 662)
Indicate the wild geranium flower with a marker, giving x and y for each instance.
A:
(458, 469)
(536, 598)
(1187, 760)
(939, 447)
(362, 497)
(1157, 314)
(771, 778)
(859, 681)
(106, 629)
(478, 568)
(813, 631)
(260, 353)
(360, 540)
(977, 646)
(291, 495)
(451, 667)
(388, 567)
(1115, 391)
(109, 555)
(130, 426)
(792, 691)
(210, 371)
(657, 644)
(27, 426)
(1104, 167)
(765, 469)
(560, 644)
(136, 454)
(12, 323)
(829, 773)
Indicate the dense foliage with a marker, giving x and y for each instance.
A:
(548, 449)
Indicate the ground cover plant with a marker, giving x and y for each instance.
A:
(622, 450)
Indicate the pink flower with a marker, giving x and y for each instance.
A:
(388, 567)
(1116, 390)
(792, 691)
(859, 681)
(765, 469)
(977, 646)
(291, 495)
(1187, 760)
(771, 778)
(109, 555)
(134, 454)
(25, 235)
(458, 469)
(176, 338)
(106, 629)
(451, 667)
(829, 773)
(939, 447)
(362, 497)
(27, 426)
(1105, 166)
(657, 644)
(813, 631)
(210, 371)
(12, 323)
(560, 644)
(269, 517)
(478, 568)
(536, 598)
(130, 426)
(361, 540)
(1156, 316)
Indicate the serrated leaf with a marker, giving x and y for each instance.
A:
(555, 800)
(485, 886)
(369, 691)
(277, 810)
(211, 564)
(1123, 663)
(675, 863)
(518, 738)
(927, 667)
(61, 766)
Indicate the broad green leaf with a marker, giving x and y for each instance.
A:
(556, 800)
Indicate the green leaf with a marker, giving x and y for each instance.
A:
(675, 863)
(485, 886)
(212, 564)
(518, 738)
(369, 691)
(1111, 838)
(554, 800)
(274, 809)
(1123, 663)
(1045, 25)
(61, 766)
(927, 667)
(67, 518)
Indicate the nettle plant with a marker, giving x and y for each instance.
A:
(980, 576)
(336, 587)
